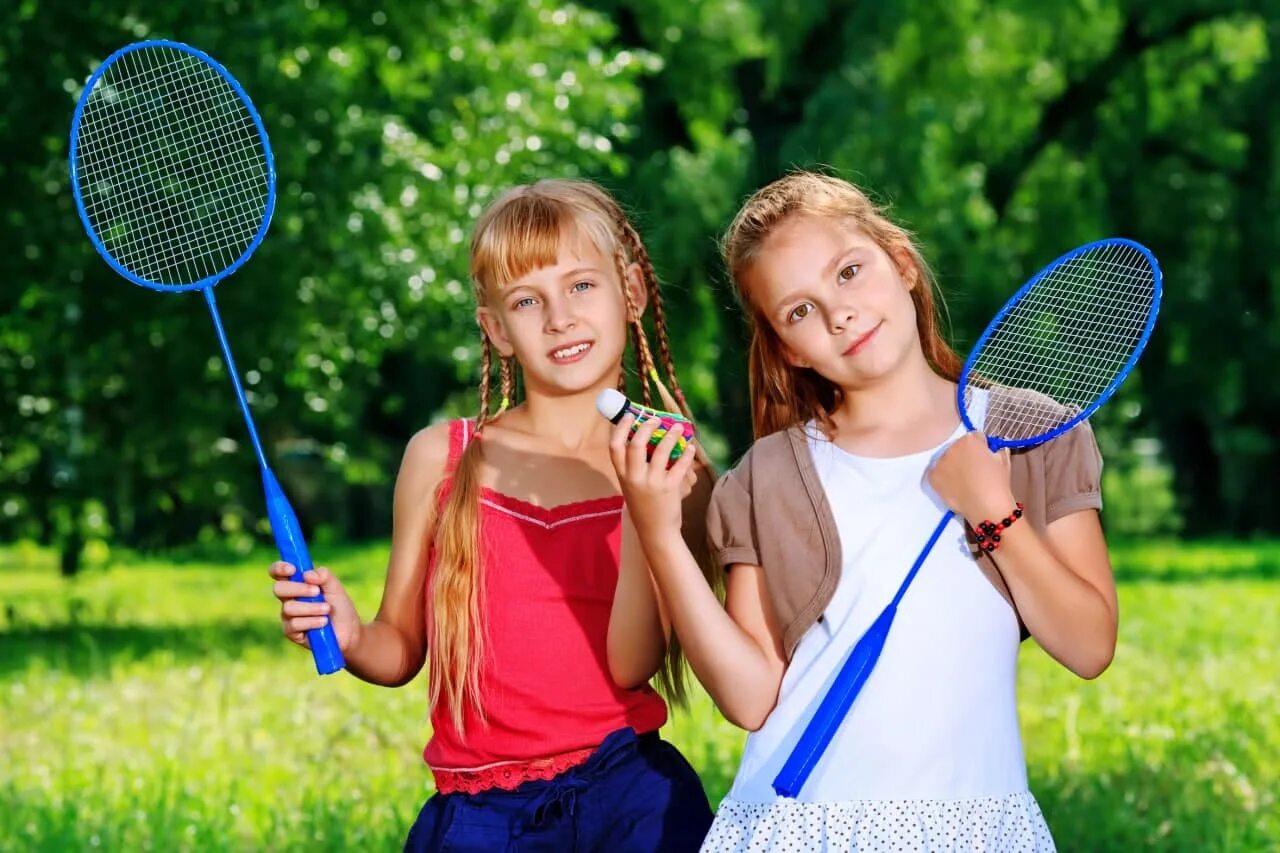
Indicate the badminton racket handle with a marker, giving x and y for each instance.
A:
(293, 550)
(826, 720)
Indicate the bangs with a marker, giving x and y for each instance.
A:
(526, 234)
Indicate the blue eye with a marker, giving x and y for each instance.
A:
(799, 312)
(580, 286)
(849, 272)
(522, 303)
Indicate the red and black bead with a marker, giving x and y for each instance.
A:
(987, 533)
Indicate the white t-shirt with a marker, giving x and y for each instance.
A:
(937, 718)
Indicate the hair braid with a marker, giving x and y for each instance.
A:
(674, 398)
(486, 369)
(508, 383)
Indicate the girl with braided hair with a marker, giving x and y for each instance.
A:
(508, 574)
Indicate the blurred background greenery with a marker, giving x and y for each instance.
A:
(146, 697)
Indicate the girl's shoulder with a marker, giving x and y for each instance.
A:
(432, 444)
(773, 472)
(429, 456)
(769, 457)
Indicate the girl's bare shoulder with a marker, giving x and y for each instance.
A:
(426, 456)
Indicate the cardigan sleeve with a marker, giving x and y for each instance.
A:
(731, 533)
(1073, 473)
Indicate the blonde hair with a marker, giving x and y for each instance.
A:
(520, 232)
(783, 395)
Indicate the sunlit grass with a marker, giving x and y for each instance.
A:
(154, 705)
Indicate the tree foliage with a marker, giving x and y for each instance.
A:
(1002, 133)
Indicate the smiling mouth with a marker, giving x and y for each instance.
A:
(860, 343)
(571, 353)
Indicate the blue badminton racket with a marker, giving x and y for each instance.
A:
(1058, 349)
(174, 181)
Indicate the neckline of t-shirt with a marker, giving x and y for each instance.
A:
(977, 411)
(816, 438)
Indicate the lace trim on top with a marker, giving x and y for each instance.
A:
(509, 775)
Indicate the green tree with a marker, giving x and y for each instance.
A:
(391, 128)
(1003, 134)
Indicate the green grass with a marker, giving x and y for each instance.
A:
(155, 706)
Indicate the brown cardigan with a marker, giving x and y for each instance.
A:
(770, 510)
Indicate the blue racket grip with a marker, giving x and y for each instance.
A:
(835, 705)
(293, 549)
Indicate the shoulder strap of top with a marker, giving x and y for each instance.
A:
(461, 431)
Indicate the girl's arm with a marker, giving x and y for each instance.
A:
(638, 625)
(390, 649)
(1061, 582)
(639, 628)
(736, 650)
(1063, 589)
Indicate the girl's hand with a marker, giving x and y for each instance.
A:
(298, 617)
(654, 487)
(973, 481)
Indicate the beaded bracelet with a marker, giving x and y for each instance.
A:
(988, 532)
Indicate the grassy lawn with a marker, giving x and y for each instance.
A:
(154, 705)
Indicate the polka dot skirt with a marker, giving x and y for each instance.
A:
(1009, 823)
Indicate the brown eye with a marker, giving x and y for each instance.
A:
(849, 272)
(799, 312)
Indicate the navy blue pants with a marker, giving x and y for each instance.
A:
(633, 795)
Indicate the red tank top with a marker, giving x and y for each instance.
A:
(550, 576)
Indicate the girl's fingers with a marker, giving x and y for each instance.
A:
(305, 608)
(638, 449)
(280, 569)
(301, 624)
(682, 470)
(285, 571)
(289, 590)
(690, 479)
(618, 437)
(661, 459)
(618, 443)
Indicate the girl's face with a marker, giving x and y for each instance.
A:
(566, 324)
(837, 301)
